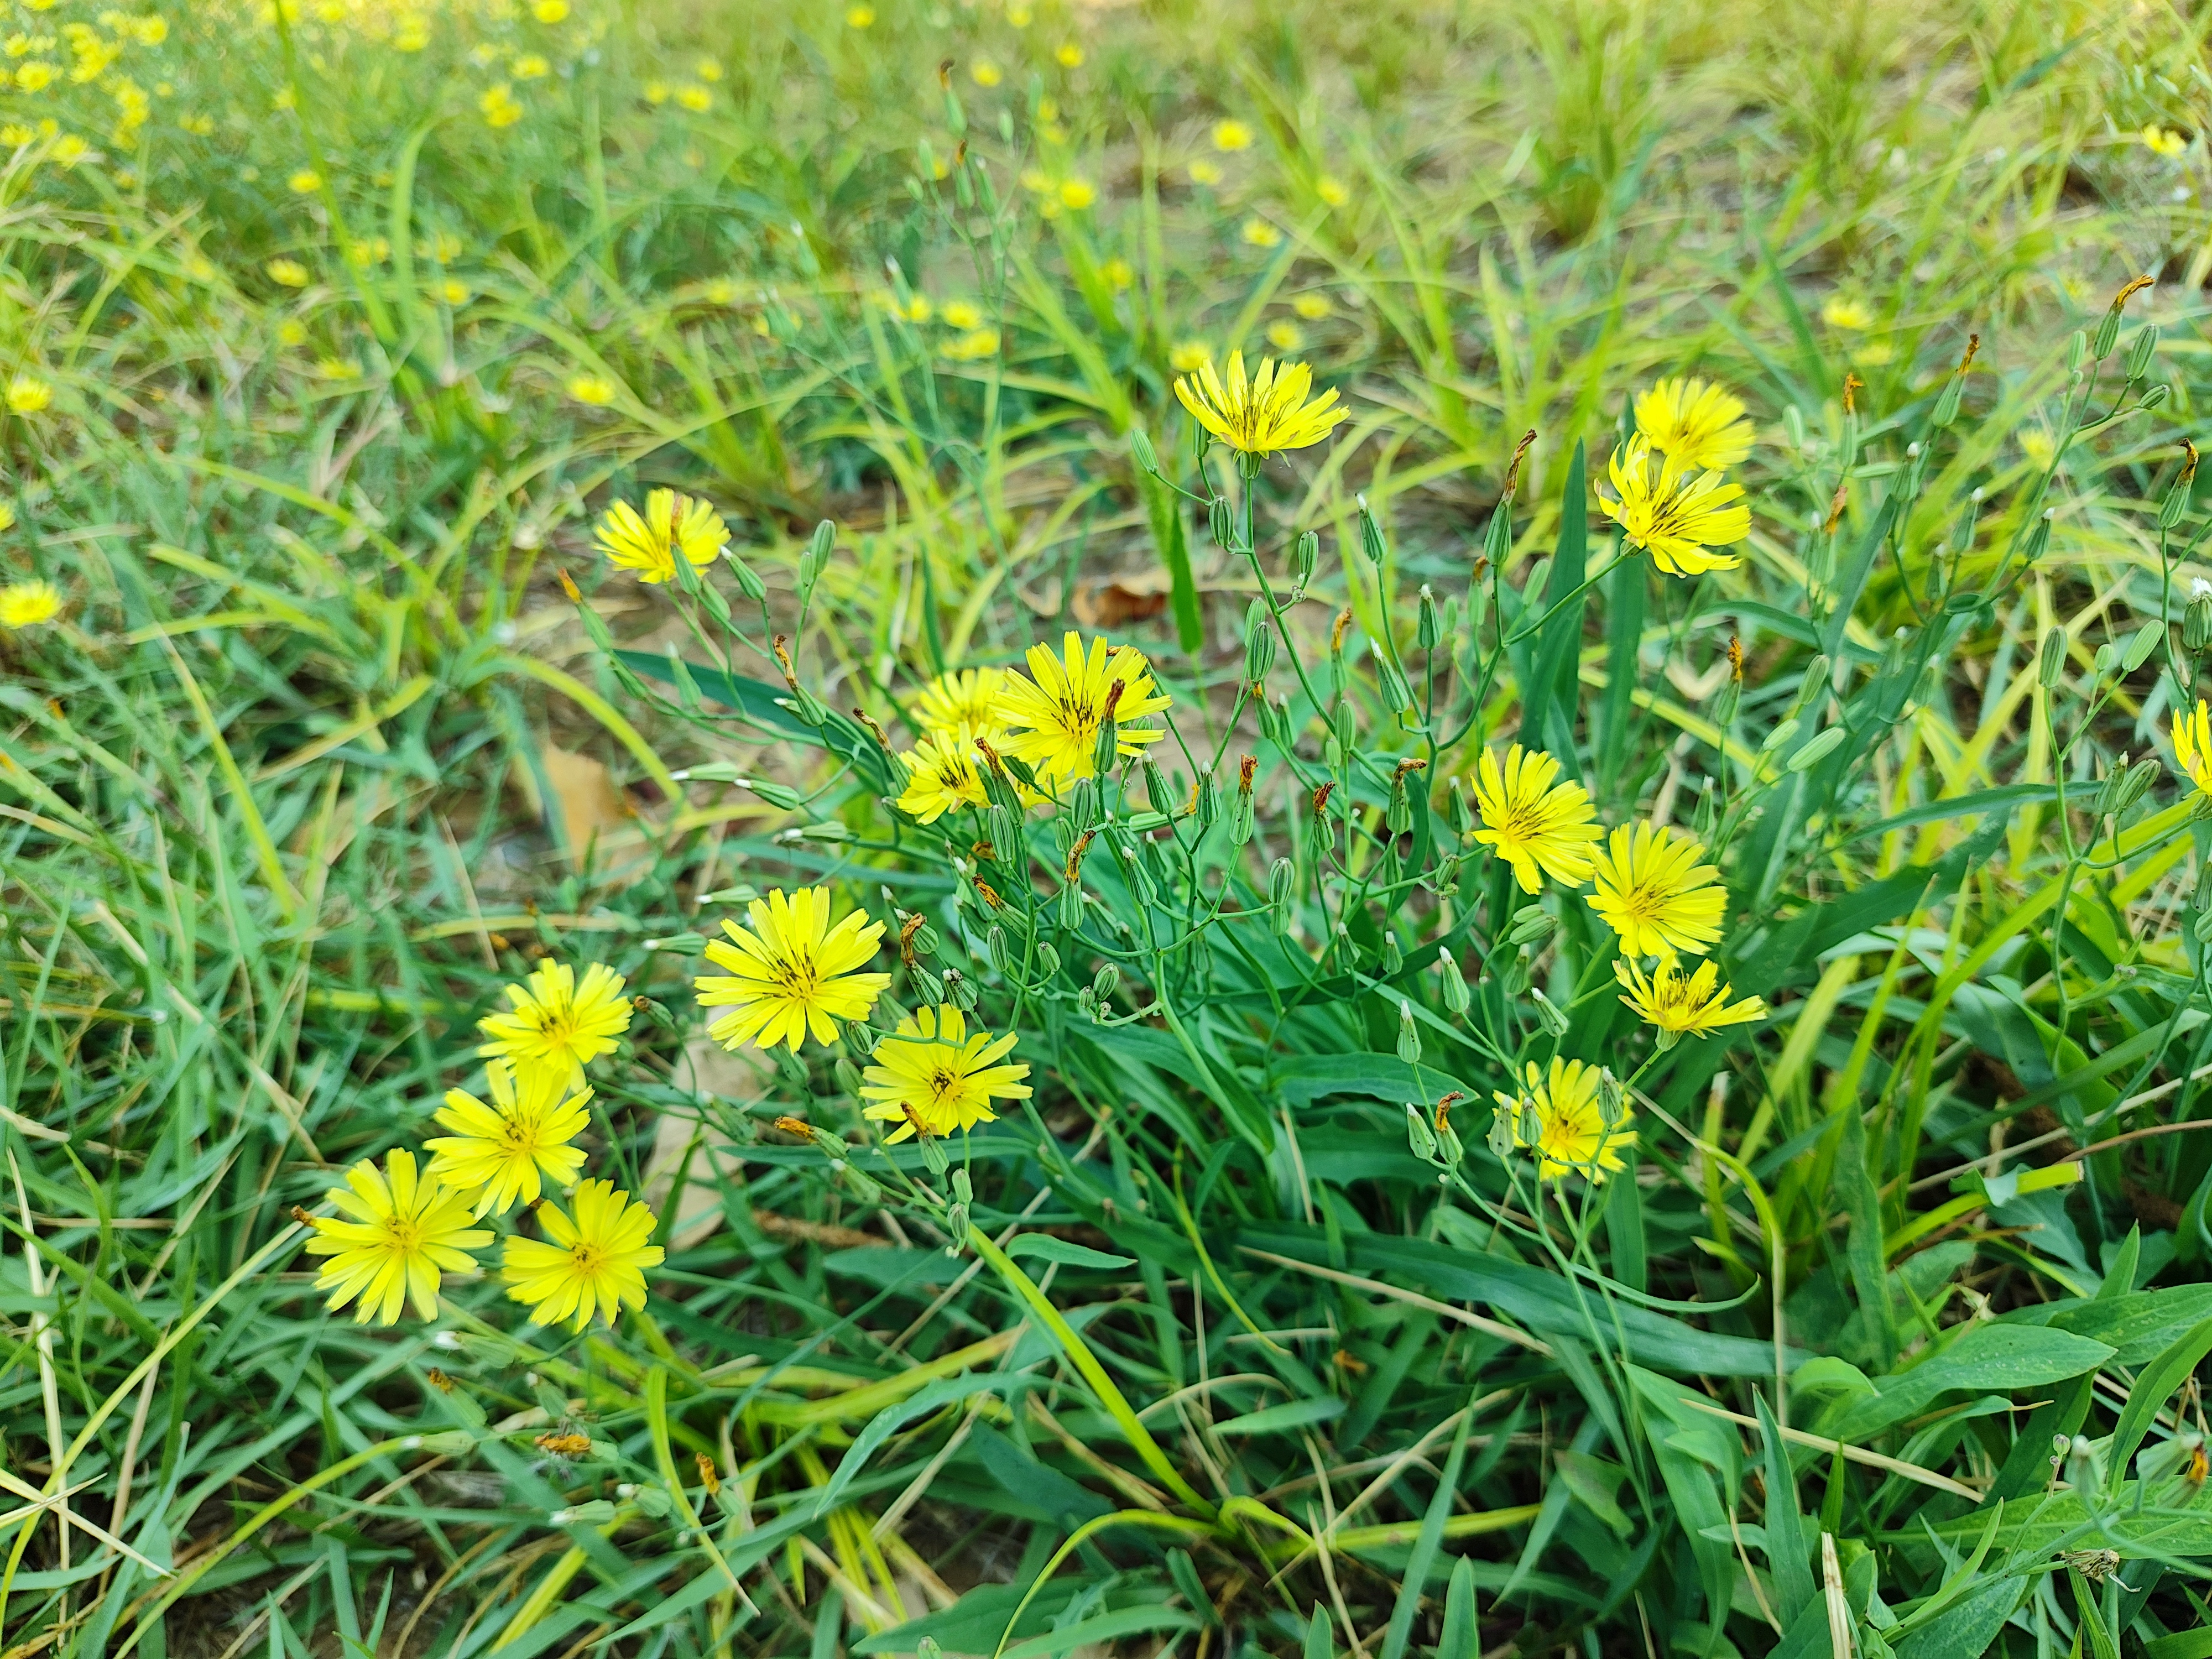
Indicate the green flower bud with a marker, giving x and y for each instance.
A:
(2147, 638)
(1427, 628)
(1463, 815)
(1611, 1099)
(1157, 791)
(2108, 334)
(1457, 998)
(1814, 683)
(819, 547)
(2077, 351)
(1275, 724)
(2155, 398)
(1392, 959)
(1549, 1014)
(927, 985)
(1345, 720)
(1305, 554)
(1409, 1036)
(1219, 523)
(2197, 623)
(1047, 959)
(1106, 752)
(1724, 706)
(1418, 1136)
(1070, 905)
(1370, 532)
(1821, 745)
(1082, 803)
(1105, 982)
(2050, 665)
(1503, 1137)
(862, 1036)
(2141, 350)
(1282, 875)
(847, 1075)
(1209, 802)
(1141, 450)
(1240, 817)
(995, 947)
(1259, 642)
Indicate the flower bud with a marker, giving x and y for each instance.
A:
(1071, 905)
(1409, 1036)
(2050, 665)
(1282, 874)
(1724, 705)
(1530, 925)
(1549, 1014)
(1611, 1099)
(1817, 748)
(1782, 735)
(1259, 642)
(1106, 752)
(1141, 451)
(1275, 724)
(1457, 998)
(1427, 629)
(1207, 807)
(1105, 982)
(1463, 815)
(1397, 696)
(847, 1075)
(2172, 510)
(995, 947)
(1706, 816)
(1240, 817)
(862, 1036)
(1344, 721)
(819, 547)
(2141, 350)
(1047, 959)
(1370, 534)
(1504, 1134)
(1394, 959)
(1218, 521)
(1163, 798)
(927, 985)
(1082, 803)
(1305, 554)
(2077, 351)
(1814, 683)
(2155, 398)
(1419, 1135)
(2039, 538)
(2148, 638)
(2197, 623)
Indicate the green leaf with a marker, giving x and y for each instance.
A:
(1785, 1538)
(2140, 1325)
(1425, 1546)
(1548, 699)
(1461, 1638)
(2154, 1386)
(1165, 511)
(1104, 1627)
(1066, 1253)
(1275, 1420)
(1989, 1358)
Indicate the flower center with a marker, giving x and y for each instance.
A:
(796, 979)
(944, 1084)
(403, 1234)
(588, 1257)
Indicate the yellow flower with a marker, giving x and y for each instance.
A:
(292, 332)
(530, 66)
(941, 775)
(915, 309)
(1654, 893)
(1272, 410)
(1052, 714)
(2163, 141)
(656, 92)
(973, 346)
(985, 73)
(498, 1151)
(932, 1072)
(695, 98)
(1119, 274)
(1696, 424)
(1535, 823)
(27, 394)
(1840, 313)
(1286, 335)
(1075, 194)
(1333, 191)
(454, 293)
(551, 11)
(1311, 306)
(289, 272)
(15, 135)
(339, 368)
(859, 17)
(1570, 1134)
(1674, 514)
(964, 697)
(707, 69)
(1680, 1006)
(1204, 173)
(958, 313)
(1232, 136)
(391, 1240)
(2038, 446)
(793, 973)
(558, 1025)
(28, 604)
(1188, 358)
(594, 389)
(1258, 232)
(412, 35)
(305, 181)
(501, 107)
(2192, 747)
(35, 75)
(1070, 56)
(7, 516)
(597, 1262)
(648, 543)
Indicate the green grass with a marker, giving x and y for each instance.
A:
(320, 757)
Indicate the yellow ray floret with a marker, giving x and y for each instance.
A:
(1271, 411)
(1051, 715)
(1652, 891)
(1680, 1005)
(1675, 515)
(2192, 746)
(934, 1072)
(394, 1238)
(964, 696)
(557, 1024)
(670, 525)
(1563, 1107)
(28, 604)
(1698, 424)
(792, 974)
(506, 1151)
(1539, 826)
(595, 1263)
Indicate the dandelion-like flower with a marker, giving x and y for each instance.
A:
(393, 1239)
(594, 389)
(2192, 744)
(29, 604)
(932, 1070)
(2164, 141)
(595, 1263)
(1538, 825)
(964, 697)
(1653, 891)
(1563, 1107)
(289, 273)
(1844, 313)
(557, 1024)
(1271, 411)
(1679, 1005)
(1675, 515)
(1051, 715)
(500, 1152)
(1698, 424)
(648, 543)
(28, 395)
(942, 774)
(793, 973)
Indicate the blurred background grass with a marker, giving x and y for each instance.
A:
(354, 315)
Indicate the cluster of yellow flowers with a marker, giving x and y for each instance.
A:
(400, 1229)
(1671, 498)
(794, 974)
